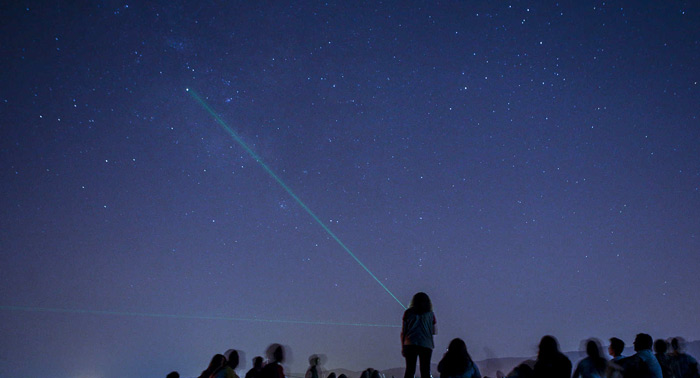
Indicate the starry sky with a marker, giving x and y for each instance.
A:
(533, 166)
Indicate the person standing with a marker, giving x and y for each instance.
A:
(417, 330)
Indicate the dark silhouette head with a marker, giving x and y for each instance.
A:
(257, 362)
(593, 349)
(331, 375)
(342, 376)
(456, 359)
(548, 346)
(594, 353)
(677, 344)
(275, 353)
(660, 346)
(173, 374)
(421, 303)
(233, 359)
(616, 347)
(314, 360)
(375, 374)
(642, 342)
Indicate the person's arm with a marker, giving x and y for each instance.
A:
(434, 325)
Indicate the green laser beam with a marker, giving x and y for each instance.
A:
(176, 316)
(269, 171)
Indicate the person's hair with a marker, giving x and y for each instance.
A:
(548, 346)
(643, 341)
(421, 303)
(216, 362)
(233, 359)
(275, 353)
(593, 352)
(342, 376)
(173, 374)
(456, 360)
(660, 346)
(375, 374)
(331, 375)
(617, 346)
(257, 362)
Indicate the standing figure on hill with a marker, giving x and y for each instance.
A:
(594, 365)
(314, 370)
(551, 363)
(457, 363)
(683, 365)
(417, 332)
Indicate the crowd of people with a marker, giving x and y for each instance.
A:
(419, 326)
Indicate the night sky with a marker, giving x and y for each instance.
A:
(533, 166)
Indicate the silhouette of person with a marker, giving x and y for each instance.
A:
(616, 365)
(551, 363)
(682, 365)
(643, 364)
(660, 348)
(342, 376)
(255, 371)
(615, 349)
(594, 365)
(275, 357)
(457, 363)
(419, 326)
(216, 363)
(173, 374)
(229, 369)
(314, 370)
(331, 375)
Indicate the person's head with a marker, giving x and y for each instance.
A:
(548, 346)
(331, 375)
(216, 362)
(677, 344)
(173, 374)
(232, 358)
(593, 349)
(257, 362)
(458, 348)
(375, 374)
(642, 342)
(616, 347)
(421, 303)
(314, 360)
(275, 353)
(342, 376)
(660, 346)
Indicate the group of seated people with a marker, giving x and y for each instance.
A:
(550, 362)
